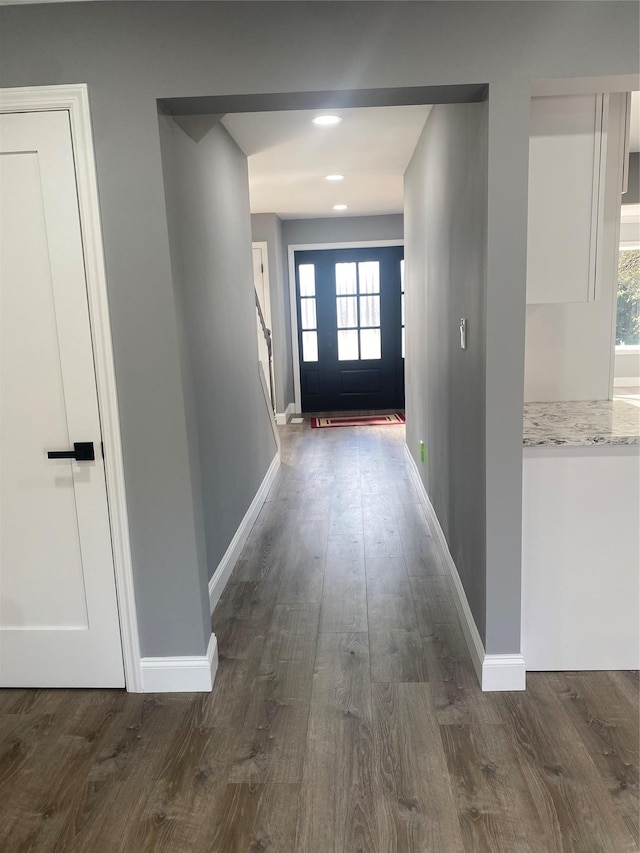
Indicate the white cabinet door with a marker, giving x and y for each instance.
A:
(59, 622)
(564, 198)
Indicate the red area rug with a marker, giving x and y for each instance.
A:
(358, 420)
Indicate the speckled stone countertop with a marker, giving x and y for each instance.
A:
(579, 424)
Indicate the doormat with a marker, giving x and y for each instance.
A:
(358, 420)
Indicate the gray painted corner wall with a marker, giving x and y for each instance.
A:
(207, 198)
(445, 279)
(507, 206)
(131, 54)
(267, 228)
(189, 391)
(632, 195)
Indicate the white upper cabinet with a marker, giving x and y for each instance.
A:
(566, 157)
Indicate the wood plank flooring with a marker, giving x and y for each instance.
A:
(346, 716)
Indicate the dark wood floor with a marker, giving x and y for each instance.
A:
(345, 718)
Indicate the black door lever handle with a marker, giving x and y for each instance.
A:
(82, 452)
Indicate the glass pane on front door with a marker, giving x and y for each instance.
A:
(358, 312)
(370, 344)
(347, 345)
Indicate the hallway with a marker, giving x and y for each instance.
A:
(345, 716)
(340, 615)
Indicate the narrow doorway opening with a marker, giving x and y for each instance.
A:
(351, 192)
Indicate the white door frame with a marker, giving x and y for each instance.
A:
(75, 99)
(303, 247)
(264, 248)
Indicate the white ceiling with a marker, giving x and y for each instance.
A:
(289, 158)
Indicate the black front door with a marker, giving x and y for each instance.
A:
(350, 328)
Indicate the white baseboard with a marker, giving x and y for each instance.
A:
(494, 672)
(230, 558)
(283, 418)
(189, 674)
(503, 672)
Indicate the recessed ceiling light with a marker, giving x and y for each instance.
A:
(334, 177)
(325, 121)
(339, 206)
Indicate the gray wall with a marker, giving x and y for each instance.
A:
(267, 228)
(131, 54)
(344, 229)
(445, 275)
(207, 197)
(632, 195)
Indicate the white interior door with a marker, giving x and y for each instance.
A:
(58, 611)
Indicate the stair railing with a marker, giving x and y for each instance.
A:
(267, 336)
